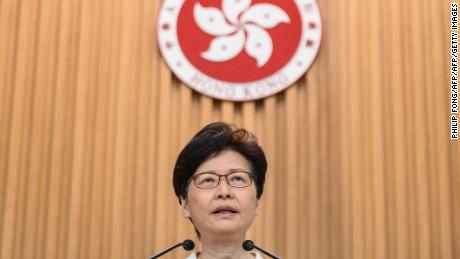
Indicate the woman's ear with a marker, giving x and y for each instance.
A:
(184, 208)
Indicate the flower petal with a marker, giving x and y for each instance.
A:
(265, 15)
(233, 8)
(212, 21)
(224, 48)
(259, 44)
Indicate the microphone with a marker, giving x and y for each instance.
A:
(187, 245)
(248, 245)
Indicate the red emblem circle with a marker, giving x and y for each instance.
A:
(239, 49)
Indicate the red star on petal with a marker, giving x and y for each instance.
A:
(169, 45)
(309, 43)
(312, 25)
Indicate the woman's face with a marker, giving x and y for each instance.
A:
(222, 210)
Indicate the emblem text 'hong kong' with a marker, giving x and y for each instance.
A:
(239, 26)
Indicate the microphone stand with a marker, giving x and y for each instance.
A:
(187, 244)
(248, 245)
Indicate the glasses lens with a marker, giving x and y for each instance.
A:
(206, 181)
(211, 180)
(239, 179)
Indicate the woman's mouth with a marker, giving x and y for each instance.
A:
(224, 210)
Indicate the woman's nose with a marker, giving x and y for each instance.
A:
(224, 189)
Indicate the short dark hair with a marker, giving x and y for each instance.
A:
(211, 140)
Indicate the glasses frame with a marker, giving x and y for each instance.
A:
(251, 177)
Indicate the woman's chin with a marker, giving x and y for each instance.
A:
(227, 228)
(227, 232)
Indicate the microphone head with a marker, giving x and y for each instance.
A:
(188, 244)
(248, 245)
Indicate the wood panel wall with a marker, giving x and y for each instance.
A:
(91, 120)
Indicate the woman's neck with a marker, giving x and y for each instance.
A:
(230, 248)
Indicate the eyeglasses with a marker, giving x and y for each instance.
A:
(209, 180)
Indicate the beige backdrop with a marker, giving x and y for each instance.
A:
(91, 121)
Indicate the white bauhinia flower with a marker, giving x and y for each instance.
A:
(239, 26)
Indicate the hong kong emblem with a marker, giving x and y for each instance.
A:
(239, 50)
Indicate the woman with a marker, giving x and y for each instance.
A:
(219, 178)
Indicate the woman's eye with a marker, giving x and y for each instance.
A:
(237, 179)
(208, 180)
